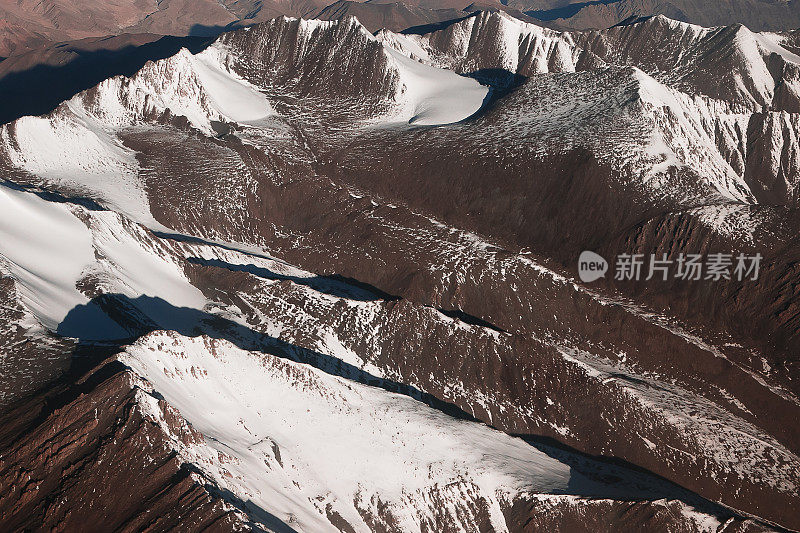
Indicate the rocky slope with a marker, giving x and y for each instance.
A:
(393, 16)
(68, 455)
(28, 25)
(224, 423)
(382, 239)
(723, 93)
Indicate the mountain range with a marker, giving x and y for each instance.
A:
(308, 275)
(27, 25)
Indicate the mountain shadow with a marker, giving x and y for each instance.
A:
(338, 286)
(333, 285)
(205, 30)
(116, 319)
(422, 29)
(252, 510)
(502, 82)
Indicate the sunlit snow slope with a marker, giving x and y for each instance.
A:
(51, 250)
(310, 448)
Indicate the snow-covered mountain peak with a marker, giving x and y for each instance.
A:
(630, 121)
(729, 63)
(318, 303)
(338, 60)
(299, 443)
(489, 40)
(77, 147)
(199, 87)
(338, 66)
(506, 24)
(317, 451)
(687, 28)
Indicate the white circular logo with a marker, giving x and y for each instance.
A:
(591, 266)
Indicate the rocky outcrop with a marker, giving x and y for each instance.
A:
(87, 454)
(732, 87)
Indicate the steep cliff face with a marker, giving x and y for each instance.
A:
(395, 16)
(342, 69)
(772, 157)
(493, 41)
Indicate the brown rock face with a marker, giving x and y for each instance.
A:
(394, 16)
(539, 516)
(29, 360)
(85, 454)
(293, 56)
(29, 25)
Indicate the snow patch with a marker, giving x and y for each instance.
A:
(232, 96)
(48, 249)
(770, 42)
(432, 96)
(74, 151)
(33, 233)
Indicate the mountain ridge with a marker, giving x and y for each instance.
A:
(243, 218)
